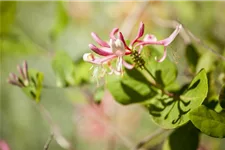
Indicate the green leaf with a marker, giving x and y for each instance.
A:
(208, 121)
(211, 100)
(83, 72)
(222, 97)
(205, 62)
(36, 19)
(64, 69)
(192, 57)
(165, 72)
(171, 112)
(183, 138)
(197, 90)
(99, 93)
(7, 15)
(62, 20)
(18, 40)
(33, 90)
(133, 87)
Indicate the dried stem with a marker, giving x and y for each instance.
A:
(186, 34)
(148, 138)
(62, 141)
(111, 143)
(126, 141)
(199, 41)
(48, 141)
(170, 24)
(115, 131)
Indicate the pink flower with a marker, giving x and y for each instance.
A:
(116, 48)
(150, 39)
(4, 145)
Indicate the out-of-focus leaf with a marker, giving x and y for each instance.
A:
(83, 72)
(33, 90)
(61, 20)
(17, 43)
(192, 57)
(98, 95)
(221, 77)
(7, 15)
(36, 19)
(222, 97)
(165, 72)
(64, 69)
(171, 112)
(76, 95)
(211, 100)
(212, 85)
(185, 137)
(133, 87)
(208, 121)
(198, 88)
(206, 61)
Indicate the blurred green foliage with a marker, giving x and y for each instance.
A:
(36, 30)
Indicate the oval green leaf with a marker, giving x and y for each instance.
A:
(133, 87)
(64, 69)
(222, 97)
(208, 121)
(173, 112)
(164, 72)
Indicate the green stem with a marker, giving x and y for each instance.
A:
(152, 81)
(150, 77)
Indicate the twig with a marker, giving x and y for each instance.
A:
(119, 134)
(199, 41)
(48, 141)
(132, 18)
(126, 141)
(170, 24)
(62, 141)
(111, 143)
(186, 34)
(149, 138)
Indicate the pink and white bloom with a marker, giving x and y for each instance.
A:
(115, 48)
(150, 39)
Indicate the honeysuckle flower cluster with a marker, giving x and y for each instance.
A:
(116, 48)
(23, 79)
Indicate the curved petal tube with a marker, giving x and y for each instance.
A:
(99, 41)
(101, 51)
(113, 32)
(163, 57)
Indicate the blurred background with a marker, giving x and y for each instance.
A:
(34, 31)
